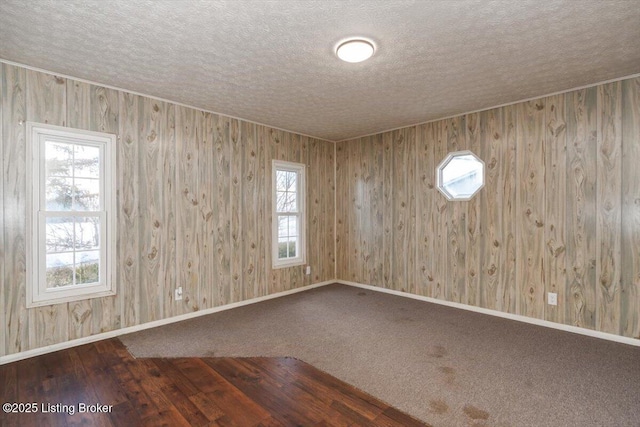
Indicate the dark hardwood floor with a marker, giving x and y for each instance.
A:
(181, 392)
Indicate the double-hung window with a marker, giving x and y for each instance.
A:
(288, 214)
(71, 247)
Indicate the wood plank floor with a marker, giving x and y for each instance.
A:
(182, 392)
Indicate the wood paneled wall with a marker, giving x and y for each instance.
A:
(194, 208)
(560, 210)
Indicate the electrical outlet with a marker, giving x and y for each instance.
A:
(308, 270)
(552, 298)
(178, 294)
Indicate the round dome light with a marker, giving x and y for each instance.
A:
(355, 50)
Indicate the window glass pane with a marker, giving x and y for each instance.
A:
(281, 199)
(462, 176)
(86, 161)
(291, 203)
(59, 234)
(292, 178)
(87, 267)
(286, 201)
(87, 233)
(293, 226)
(282, 248)
(59, 270)
(293, 243)
(59, 194)
(58, 159)
(283, 226)
(87, 194)
(286, 180)
(288, 204)
(70, 214)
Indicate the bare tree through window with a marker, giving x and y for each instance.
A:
(72, 184)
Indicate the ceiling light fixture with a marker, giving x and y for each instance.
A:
(356, 50)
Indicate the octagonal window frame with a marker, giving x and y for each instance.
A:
(439, 175)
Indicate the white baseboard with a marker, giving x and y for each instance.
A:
(105, 335)
(93, 338)
(519, 318)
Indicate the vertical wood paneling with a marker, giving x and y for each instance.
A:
(373, 186)
(331, 251)
(609, 190)
(630, 313)
(187, 233)
(457, 214)
(387, 211)
(410, 155)
(530, 207)
(581, 208)
(250, 207)
(284, 275)
(298, 153)
(302, 278)
(315, 178)
(104, 106)
(14, 115)
(355, 197)
(46, 103)
(79, 117)
(473, 228)
(311, 189)
(348, 231)
(439, 217)
(46, 98)
(342, 207)
(325, 209)
(104, 109)
(425, 195)
(156, 227)
(128, 271)
(361, 250)
(237, 261)
(273, 143)
(403, 208)
(3, 330)
(221, 211)
(169, 206)
(493, 244)
(78, 104)
(509, 286)
(263, 234)
(206, 221)
(353, 231)
(555, 205)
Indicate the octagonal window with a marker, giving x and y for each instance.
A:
(460, 175)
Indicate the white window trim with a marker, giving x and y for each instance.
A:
(37, 293)
(440, 178)
(300, 169)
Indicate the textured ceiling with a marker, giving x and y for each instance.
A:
(273, 62)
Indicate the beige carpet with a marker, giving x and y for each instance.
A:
(446, 366)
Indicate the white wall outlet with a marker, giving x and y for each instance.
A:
(178, 295)
(552, 298)
(308, 271)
